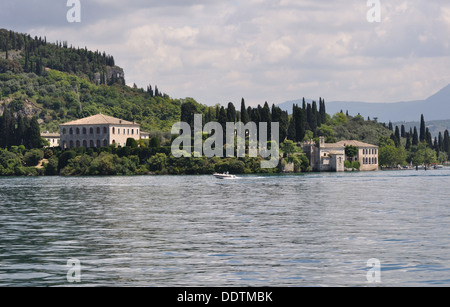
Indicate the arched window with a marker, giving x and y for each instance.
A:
(71, 131)
(85, 144)
(64, 131)
(91, 144)
(84, 131)
(71, 144)
(105, 130)
(91, 130)
(78, 130)
(132, 131)
(78, 143)
(98, 130)
(113, 130)
(99, 144)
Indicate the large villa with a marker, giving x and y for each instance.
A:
(95, 131)
(330, 157)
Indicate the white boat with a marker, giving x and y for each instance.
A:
(224, 176)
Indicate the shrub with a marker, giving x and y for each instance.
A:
(33, 157)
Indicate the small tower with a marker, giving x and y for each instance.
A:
(321, 141)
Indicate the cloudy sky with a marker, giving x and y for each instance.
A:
(262, 50)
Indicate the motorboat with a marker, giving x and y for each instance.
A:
(224, 176)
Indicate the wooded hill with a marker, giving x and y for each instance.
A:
(59, 83)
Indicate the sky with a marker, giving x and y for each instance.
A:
(260, 50)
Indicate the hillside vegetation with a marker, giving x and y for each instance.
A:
(58, 83)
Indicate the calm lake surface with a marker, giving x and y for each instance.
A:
(292, 230)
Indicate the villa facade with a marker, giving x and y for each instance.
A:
(330, 157)
(98, 131)
(53, 139)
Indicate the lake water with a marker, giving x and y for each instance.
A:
(285, 230)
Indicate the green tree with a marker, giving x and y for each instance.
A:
(131, 142)
(351, 151)
(244, 114)
(157, 163)
(423, 134)
(391, 156)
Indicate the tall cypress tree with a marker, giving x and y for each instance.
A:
(446, 142)
(423, 134)
(415, 139)
(403, 132)
(244, 114)
(34, 133)
(299, 124)
(397, 136)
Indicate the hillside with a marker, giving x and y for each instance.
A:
(59, 83)
(436, 107)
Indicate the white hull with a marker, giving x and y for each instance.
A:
(224, 176)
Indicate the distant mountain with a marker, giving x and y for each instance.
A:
(436, 107)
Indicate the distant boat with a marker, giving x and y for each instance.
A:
(224, 176)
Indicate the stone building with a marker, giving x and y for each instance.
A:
(98, 131)
(52, 138)
(330, 157)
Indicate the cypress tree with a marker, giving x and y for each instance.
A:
(397, 136)
(403, 131)
(423, 135)
(415, 139)
(244, 114)
(291, 129)
(231, 113)
(408, 142)
(446, 142)
(299, 123)
(34, 133)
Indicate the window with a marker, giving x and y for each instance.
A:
(91, 130)
(85, 144)
(84, 131)
(64, 131)
(105, 130)
(105, 143)
(71, 144)
(128, 132)
(113, 130)
(99, 144)
(71, 131)
(91, 144)
(132, 131)
(78, 144)
(78, 131)
(98, 130)
(118, 131)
